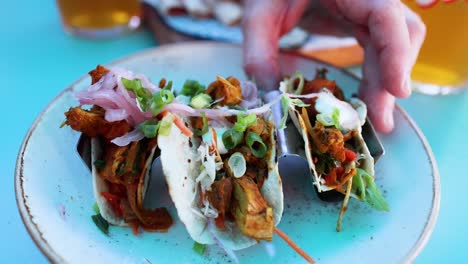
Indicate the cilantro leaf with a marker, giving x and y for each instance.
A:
(199, 248)
(192, 88)
(366, 189)
(101, 223)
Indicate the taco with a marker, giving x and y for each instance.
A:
(225, 184)
(121, 155)
(331, 127)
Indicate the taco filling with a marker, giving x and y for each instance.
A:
(331, 128)
(121, 152)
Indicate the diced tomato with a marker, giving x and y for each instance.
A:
(117, 189)
(114, 202)
(350, 155)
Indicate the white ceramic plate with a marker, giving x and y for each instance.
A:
(54, 190)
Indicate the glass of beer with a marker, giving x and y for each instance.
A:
(100, 18)
(442, 65)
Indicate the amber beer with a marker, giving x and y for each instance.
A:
(443, 60)
(100, 18)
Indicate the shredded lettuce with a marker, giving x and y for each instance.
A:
(285, 101)
(332, 119)
(366, 189)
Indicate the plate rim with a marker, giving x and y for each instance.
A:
(55, 257)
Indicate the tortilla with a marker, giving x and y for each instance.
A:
(181, 168)
(100, 185)
(367, 163)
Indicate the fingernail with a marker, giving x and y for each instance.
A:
(388, 120)
(407, 83)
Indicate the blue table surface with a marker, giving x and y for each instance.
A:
(38, 60)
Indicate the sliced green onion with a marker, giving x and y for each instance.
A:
(160, 100)
(200, 101)
(292, 80)
(237, 164)
(96, 208)
(150, 128)
(142, 94)
(256, 145)
(285, 101)
(244, 121)
(199, 248)
(205, 126)
(231, 138)
(165, 126)
(101, 223)
(192, 88)
(99, 164)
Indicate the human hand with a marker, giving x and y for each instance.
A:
(389, 32)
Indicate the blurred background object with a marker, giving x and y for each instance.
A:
(179, 20)
(442, 65)
(100, 18)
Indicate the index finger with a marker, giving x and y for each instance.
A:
(388, 33)
(261, 30)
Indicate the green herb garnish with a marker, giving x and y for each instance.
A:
(231, 138)
(256, 145)
(96, 208)
(150, 128)
(165, 126)
(142, 94)
(244, 121)
(101, 223)
(205, 126)
(285, 101)
(192, 88)
(366, 189)
(160, 100)
(99, 164)
(324, 164)
(199, 248)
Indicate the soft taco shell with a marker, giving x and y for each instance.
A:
(178, 157)
(367, 163)
(100, 185)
